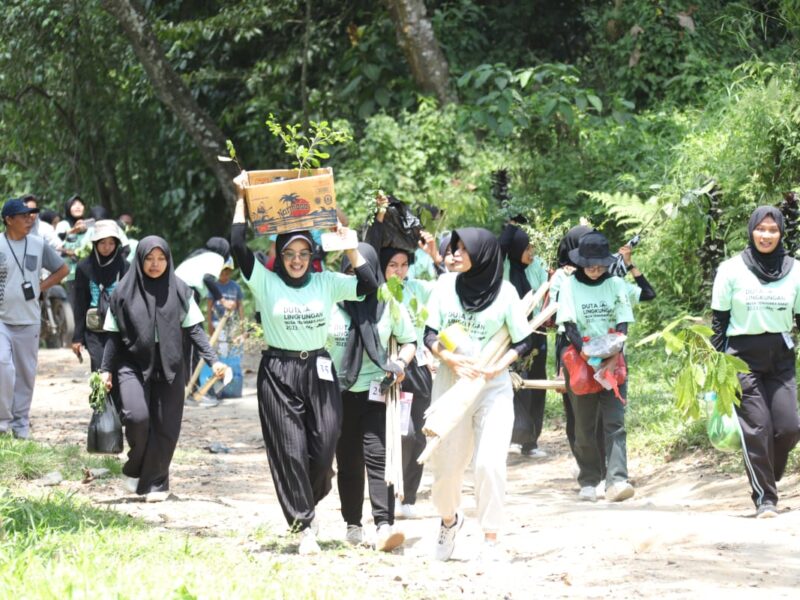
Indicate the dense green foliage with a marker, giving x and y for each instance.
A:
(611, 110)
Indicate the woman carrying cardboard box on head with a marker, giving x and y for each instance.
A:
(300, 405)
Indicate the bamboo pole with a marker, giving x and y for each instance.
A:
(212, 342)
(447, 412)
(539, 384)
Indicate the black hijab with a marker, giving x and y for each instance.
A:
(514, 243)
(570, 242)
(387, 254)
(280, 244)
(364, 317)
(478, 287)
(142, 304)
(68, 205)
(219, 246)
(767, 267)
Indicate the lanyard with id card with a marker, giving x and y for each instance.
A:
(27, 286)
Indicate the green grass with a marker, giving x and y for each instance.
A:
(25, 459)
(59, 546)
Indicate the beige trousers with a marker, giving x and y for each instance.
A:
(481, 439)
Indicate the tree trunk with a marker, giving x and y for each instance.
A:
(417, 39)
(173, 92)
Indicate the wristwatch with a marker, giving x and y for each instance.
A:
(402, 360)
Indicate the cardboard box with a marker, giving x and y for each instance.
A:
(291, 203)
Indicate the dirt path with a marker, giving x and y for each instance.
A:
(688, 531)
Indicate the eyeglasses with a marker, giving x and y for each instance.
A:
(596, 269)
(303, 255)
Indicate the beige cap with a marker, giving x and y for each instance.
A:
(104, 229)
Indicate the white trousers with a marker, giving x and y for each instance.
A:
(481, 438)
(19, 353)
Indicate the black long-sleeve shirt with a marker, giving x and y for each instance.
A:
(114, 347)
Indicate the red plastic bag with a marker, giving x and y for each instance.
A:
(614, 375)
(581, 375)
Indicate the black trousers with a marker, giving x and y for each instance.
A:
(95, 344)
(768, 411)
(569, 415)
(418, 381)
(152, 411)
(363, 444)
(529, 404)
(301, 418)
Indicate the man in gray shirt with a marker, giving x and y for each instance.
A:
(22, 258)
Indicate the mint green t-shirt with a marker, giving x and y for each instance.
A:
(423, 267)
(444, 309)
(594, 308)
(755, 307)
(193, 316)
(556, 281)
(296, 319)
(535, 273)
(401, 328)
(634, 292)
(419, 290)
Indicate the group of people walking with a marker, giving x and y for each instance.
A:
(328, 361)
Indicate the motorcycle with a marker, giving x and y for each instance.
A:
(58, 322)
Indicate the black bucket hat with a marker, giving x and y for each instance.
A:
(592, 251)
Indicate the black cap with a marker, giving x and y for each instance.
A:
(15, 206)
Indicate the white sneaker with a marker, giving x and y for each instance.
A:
(315, 525)
(588, 493)
(600, 490)
(130, 483)
(576, 470)
(387, 539)
(446, 542)
(355, 535)
(407, 511)
(156, 496)
(534, 453)
(308, 542)
(619, 491)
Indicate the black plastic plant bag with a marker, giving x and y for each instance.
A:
(105, 431)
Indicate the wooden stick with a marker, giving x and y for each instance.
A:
(393, 469)
(447, 412)
(212, 342)
(541, 384)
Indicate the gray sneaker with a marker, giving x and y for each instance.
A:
(446, 542)
(588, 493)
(767, 510)
(355, 535)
